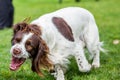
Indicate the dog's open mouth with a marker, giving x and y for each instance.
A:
(16, 63)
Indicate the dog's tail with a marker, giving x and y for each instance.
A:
(100, 47)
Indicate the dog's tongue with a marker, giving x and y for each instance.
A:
(16, 63)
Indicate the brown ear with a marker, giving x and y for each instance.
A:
(19, 26)
(41, 60)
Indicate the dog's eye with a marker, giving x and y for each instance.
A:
(28, 46)
(17, 40)
(28, 43)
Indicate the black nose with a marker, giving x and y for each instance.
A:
(16, 51)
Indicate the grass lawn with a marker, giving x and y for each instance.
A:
(107, 15)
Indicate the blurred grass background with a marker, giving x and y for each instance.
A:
(107, 15)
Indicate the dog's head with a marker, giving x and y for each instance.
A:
(27, 43)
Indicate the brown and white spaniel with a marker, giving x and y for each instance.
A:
(50, 40)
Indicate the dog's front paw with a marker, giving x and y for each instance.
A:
(85, 68)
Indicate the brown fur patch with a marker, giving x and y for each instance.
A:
(63, 28)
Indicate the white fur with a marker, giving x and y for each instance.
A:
(85, 33)
(21, 46)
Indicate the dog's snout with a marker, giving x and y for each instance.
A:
(16, 51)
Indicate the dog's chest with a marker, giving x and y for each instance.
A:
(61, 52)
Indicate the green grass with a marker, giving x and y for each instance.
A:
(107, 15)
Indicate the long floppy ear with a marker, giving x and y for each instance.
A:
(19, 26)
(41, 60)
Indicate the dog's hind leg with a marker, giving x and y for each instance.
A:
(91, 39)
(80, 57)
(94, 50)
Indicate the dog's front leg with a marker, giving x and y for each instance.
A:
(59, 73)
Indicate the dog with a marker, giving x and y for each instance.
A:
(50, 40)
